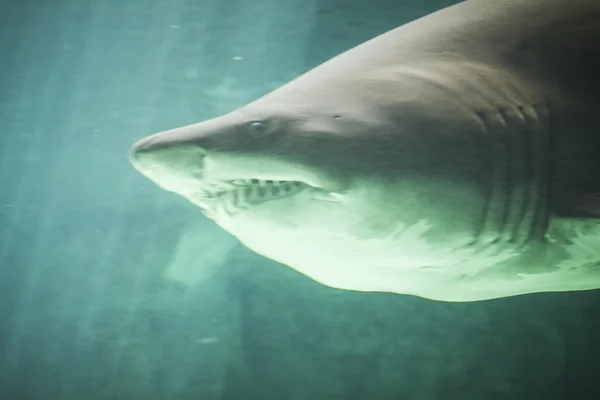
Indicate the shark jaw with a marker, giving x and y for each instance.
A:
(226, 199)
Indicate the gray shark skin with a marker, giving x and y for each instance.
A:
(455, 158)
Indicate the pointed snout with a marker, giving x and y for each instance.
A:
(151, 148)
(140, 149)
(171, 160)
(149, 152)
(198, 138)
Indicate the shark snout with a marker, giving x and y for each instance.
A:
(154, 145)
(147, 143)
(172, 164)
(179, 150)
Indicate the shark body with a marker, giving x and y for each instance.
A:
(455, 158)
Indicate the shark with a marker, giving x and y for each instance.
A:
(454, 158)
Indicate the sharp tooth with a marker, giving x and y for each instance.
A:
(229, 202)
(270, 189)
(254, 193)
(263, 192)
(240, 198)
(233, 194)
(287, 187)
(275, 190)
(247, 193)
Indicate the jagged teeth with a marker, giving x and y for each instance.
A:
(240, 194)
(216, 188)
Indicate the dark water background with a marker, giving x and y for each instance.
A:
(100, 294)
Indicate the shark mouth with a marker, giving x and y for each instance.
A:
(234, 196)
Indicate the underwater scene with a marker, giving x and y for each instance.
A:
(195, 204)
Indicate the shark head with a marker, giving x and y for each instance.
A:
(332, 186)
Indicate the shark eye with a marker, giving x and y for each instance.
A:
(258, 128)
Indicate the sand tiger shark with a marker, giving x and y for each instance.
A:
(455, 158)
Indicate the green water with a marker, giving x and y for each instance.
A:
(113, 289)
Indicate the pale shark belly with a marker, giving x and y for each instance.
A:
(549, 267)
